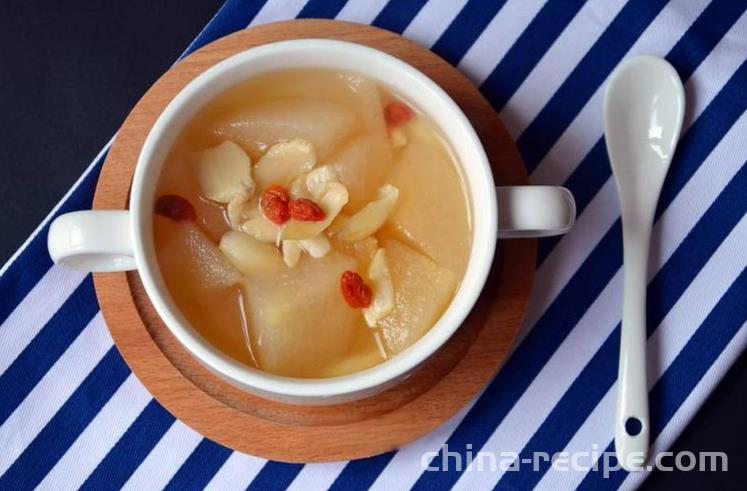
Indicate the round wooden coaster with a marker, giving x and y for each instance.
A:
(288, 433)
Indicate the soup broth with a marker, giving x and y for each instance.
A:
(311, 223)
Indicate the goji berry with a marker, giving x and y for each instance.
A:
(354, 290)
(274, 204)
(306, 210)
(175, 207)
(396, 113)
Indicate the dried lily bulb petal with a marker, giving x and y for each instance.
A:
(382, 302)
(283, 162)
(238, 208)
(261, 228)
(372, 216)
(313, 184)
(397, 137)
(224, 171)
(316, 247)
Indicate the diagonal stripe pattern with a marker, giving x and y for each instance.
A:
(69, 398)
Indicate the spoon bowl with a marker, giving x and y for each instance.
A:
(643, 111)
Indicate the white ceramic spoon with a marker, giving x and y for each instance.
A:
(643, 110)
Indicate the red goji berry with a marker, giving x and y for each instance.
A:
(354, 290)
(274, 204)
(175, 207)
(306, 210)
(397, 113)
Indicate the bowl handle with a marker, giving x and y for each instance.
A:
(534, 211)
(94, 241)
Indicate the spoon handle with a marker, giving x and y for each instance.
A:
(631, 419)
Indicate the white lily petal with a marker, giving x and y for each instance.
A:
(292, 250)
(382, 302)
(317, 247)
(298, 187)
(238, 208)
(285, 161)
(261, 229)
(318, 179)
(372, 216)
(397, 137)
(223, 171)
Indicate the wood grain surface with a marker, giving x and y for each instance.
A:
(227, 415)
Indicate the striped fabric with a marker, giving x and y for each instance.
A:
(72, 415)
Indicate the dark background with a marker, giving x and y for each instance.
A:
(69, 74)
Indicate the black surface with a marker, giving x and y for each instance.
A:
(69, 74)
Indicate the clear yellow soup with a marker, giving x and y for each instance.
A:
(354, 252)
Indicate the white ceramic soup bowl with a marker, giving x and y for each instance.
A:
(101, 241)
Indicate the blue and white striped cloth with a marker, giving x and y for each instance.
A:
(73, 415)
